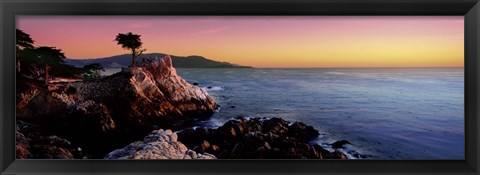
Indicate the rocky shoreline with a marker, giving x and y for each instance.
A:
(100, 116)
(114, 117)
(258, 138)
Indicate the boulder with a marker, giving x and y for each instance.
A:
(192, 137)
(276, 126)
(232, 130)
(253, 125)
(340, 143)
(157, 145)
(324, 154)
(251, 146)
(22, 146)
(202, 147)
(302, 131)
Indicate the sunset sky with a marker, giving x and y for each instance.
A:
(264, 41)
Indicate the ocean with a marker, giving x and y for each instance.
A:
(386, 113)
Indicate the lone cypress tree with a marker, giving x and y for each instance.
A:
(131, 42)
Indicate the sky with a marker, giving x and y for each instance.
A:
(264, 41)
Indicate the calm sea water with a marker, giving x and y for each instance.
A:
(386, 113)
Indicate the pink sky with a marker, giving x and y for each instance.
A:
(264, 41)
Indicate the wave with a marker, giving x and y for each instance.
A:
(348, 149)
(213, 88)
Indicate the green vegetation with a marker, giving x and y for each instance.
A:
(92, 71)
(45, 62)
(132, 42)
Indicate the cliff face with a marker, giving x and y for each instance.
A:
(153, 93)
(115, 110)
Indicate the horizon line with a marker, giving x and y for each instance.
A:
(340, 67)
(248, 66)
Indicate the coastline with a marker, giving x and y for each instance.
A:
(92, 119)
(387, 114)
(148, 85)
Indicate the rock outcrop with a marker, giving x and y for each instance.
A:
(116, 110)
(159, 144)
(258, 138)
(22, 146)
(35, 144)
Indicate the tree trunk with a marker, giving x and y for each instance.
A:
(133, 57)
(18, 65)
(46, 74)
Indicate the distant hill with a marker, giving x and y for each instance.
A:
(125, 60)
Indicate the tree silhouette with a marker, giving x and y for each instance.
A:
(44, 59)
(34, 62)
(23, 42)
(92, 71)
(132, 42)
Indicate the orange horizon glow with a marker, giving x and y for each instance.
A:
(264, 41)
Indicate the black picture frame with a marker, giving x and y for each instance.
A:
(11, 8)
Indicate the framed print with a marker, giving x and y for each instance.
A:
(294, 87)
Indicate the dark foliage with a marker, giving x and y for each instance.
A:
(23, 40)
(92, 71)
(41, 61)
(131, 42)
